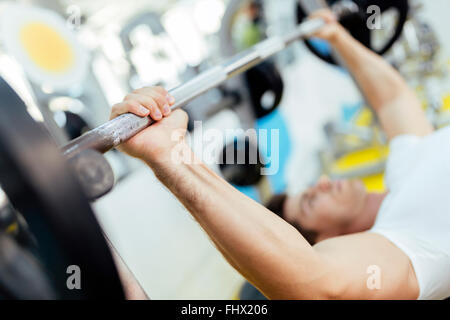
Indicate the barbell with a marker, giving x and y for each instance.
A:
(115, 132)
(124, 127)
(84, 153)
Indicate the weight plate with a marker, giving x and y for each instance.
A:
(240, 163)
(265, 87)
(356, 24)
(20, 274)
(40, 185)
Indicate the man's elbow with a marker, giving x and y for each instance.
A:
(329, 288)
(334, 291)
(333, 285)
(399, 94)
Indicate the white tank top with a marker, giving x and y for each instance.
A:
(415, 215)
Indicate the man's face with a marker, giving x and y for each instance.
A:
(329, 205)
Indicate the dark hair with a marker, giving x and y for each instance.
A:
(276, 205)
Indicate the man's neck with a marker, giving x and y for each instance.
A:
(365, 219)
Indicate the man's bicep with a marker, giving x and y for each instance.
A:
(368, 266)
(404, 115)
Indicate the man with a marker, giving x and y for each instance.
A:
(407, 250)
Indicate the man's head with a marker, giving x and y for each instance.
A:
(326, 208)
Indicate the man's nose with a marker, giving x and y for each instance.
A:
(324, 183)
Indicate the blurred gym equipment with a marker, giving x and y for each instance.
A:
(143, 33)
(21, 276)
(241, 165)
(44, 46)
(379, 41)
(13, 224)
(243, 26)
(40, 185)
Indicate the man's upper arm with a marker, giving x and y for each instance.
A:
(368, 266)
(404, 115)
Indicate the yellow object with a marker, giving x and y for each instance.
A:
(352, 140)
(364, 158)
(374, 183)
(364, 118)
(424, 105)
(446, 103)
(361, 158)
(12, 228)
(46, 47)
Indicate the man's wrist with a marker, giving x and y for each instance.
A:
(339, 36)
(175, 156)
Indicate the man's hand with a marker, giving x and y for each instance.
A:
(155, 143)
(332, 29)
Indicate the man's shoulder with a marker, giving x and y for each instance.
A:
(359, 257)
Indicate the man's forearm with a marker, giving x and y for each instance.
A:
(379, 81)
(397, 107)
(261, 246)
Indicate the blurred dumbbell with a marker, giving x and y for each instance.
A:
(241, 166)
(265, 87)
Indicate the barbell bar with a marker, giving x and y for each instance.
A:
(116, 131)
